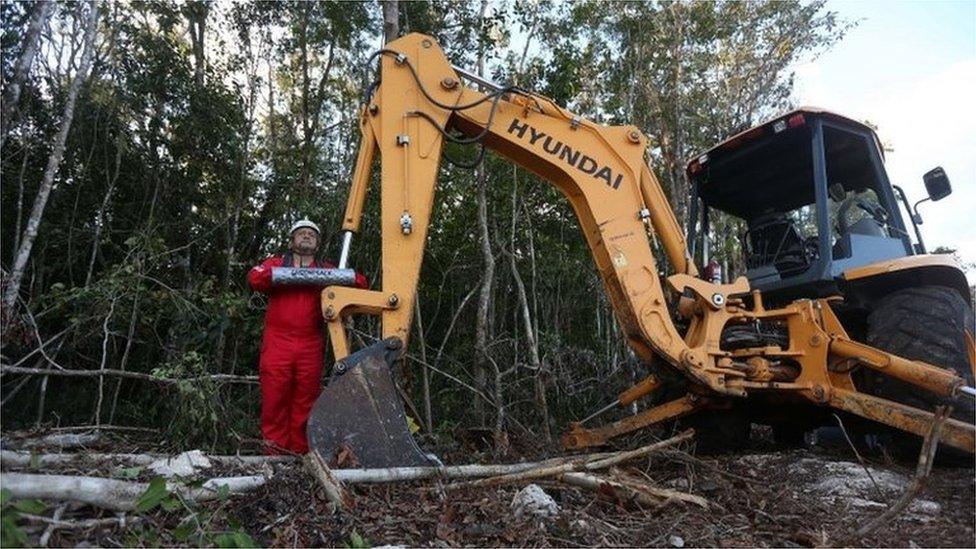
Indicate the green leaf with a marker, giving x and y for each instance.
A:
(234, 539)
(10, 534)
(223, 492)
(185, 529)
(155, 493)
(128, 472)
(194, 483)
(170, 504)
(5, 496)
(30, 506)
(243, 540)
(358, 542)
(412, 425)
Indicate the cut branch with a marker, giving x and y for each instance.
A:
(630, 491)
(334, 489)
(585, 463)
(10, 458)
(926, 457)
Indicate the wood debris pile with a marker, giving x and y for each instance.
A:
(659, 494)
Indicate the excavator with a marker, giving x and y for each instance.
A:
(789, 335)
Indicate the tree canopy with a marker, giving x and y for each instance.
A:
(198, 131)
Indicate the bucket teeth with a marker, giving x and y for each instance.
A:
(360, 411)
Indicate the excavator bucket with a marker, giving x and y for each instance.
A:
(360, 411)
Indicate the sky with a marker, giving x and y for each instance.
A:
(910, 69)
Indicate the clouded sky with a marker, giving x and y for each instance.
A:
(910, 69)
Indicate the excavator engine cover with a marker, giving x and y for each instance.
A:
(360, 410)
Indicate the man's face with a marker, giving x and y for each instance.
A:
(304, 241)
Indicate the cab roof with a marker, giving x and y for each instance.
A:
(770, 166)
(806, 112)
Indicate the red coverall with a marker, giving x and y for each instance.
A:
(291, 357)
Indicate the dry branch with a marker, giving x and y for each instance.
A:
(663, 493)
(225, 378)
(113, 494)
(398, 474)
(51, 527)
(926, 457)
(588, 464)
(334, 489)
(628, 490)
(121, 521)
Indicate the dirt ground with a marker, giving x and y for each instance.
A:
(767, 497)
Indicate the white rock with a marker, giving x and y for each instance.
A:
(676, 541)
(183, 465)
(924, 510)
(850, 480)
(532, 500)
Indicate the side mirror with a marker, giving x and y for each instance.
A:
(937, 184)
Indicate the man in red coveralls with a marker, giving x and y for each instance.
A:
(291, 350)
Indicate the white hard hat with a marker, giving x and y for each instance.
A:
(303, 224)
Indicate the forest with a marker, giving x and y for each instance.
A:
(153, 151)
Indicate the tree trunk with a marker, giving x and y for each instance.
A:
(133, 318)
(54, 162)
(105, 340)
(530, 338)
(482, 325)
(196, 16)
(20, 197)
(32, 42)
(100, 216)
(424, 367)
(391, 20)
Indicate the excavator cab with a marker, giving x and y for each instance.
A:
(812, 194)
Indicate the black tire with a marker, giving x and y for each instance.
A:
(789, 436)
(925, 323)
(719, 431)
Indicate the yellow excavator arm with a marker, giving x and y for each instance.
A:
(421, 102)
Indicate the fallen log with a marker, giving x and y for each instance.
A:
(117, 495)
(12, 458)
(398, 474)
(585, 463)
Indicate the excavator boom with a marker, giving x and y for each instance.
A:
(421, 103)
